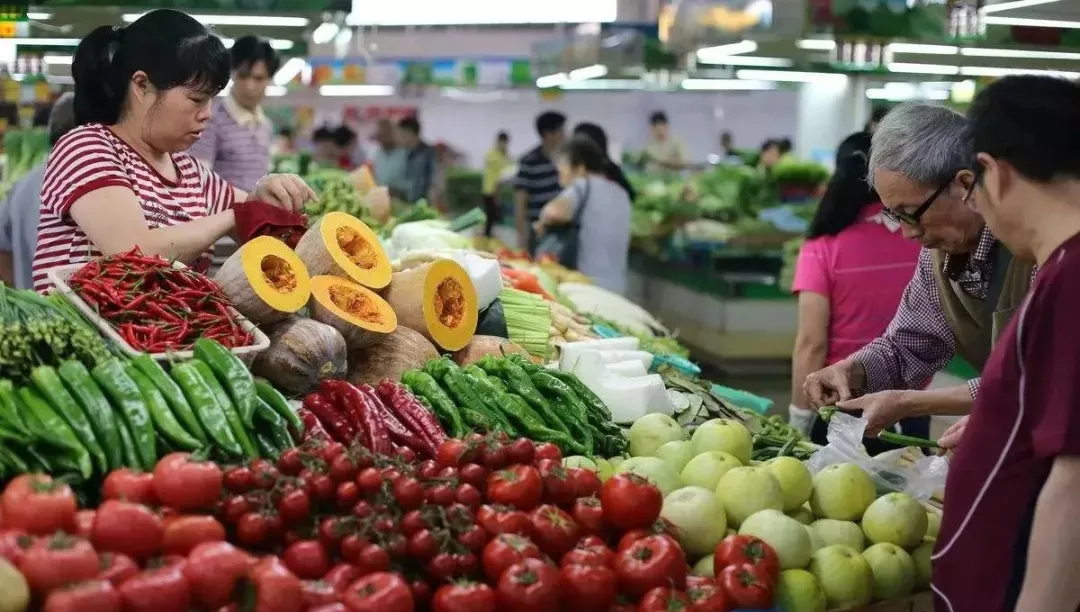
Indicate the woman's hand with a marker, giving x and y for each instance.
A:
(286, 191)
(538, 227)
(952, 435)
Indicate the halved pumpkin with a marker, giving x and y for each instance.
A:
(342, 245)
(265, 280)
(362, 317)
(437, 299)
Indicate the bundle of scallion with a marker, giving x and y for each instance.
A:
(528, 320)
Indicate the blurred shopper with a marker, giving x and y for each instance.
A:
(236, 144)
(664, 153)
(597, 209)
(728, 153)
(345, 146)
(612, 170)
(537, 180)
(123, 178)
(1012, 519)
(388, 159)
(285, 142)
(418, 177)
(849, 277)
(769, 155)
(19, 210)
(325, 152)
(852, 142)
(966, 285)
(496, 163)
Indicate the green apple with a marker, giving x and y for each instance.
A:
(798, 591)
(650, 432)
(893, 569)
(656, 471)
(802, 514)
(895, 518)
(746, 490)
(698, 517)
(921, 555)
(704, 567)
(784, 534)
(729, 436)
(933, 523)
(795, 481)
(842, 491)
(706, 469)
(676, 452)
(847, 533)
(844, 576)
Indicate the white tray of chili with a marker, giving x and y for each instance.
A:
(61, 275)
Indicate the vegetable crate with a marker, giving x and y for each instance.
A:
(60, 276)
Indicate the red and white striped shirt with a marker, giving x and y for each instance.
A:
(92, 157)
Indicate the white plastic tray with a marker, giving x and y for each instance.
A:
(62, 274)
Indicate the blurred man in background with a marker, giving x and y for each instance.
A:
(388, 159)
(419, 173)
(19, 210)
(496, 163)
(537, 181)
(664, 153)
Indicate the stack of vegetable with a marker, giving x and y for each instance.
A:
(528, 320)
(513, 395)
(80, 421)
(23, 149)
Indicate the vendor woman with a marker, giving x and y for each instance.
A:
(122, 178)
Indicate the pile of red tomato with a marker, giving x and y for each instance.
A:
(490, 524)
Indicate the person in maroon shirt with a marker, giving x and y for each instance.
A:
(1010, 535)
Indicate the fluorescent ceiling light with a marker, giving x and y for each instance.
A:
(356, 90)
(923, 49)
(552, 80)
(38, 16)
(752, 60)
(1031, 23)
(479, 12)
(882, 93)
(325, 33)
(791, 76)
(746, 46)
(45, 42)
(816, 44)
(289, 70)
(596, 71)
(1012, 5)
(1018, 53)
(726, 85)
(616, 85)
(57, 60)
(277, 43)
(239, 20)
(922, 68)
(992, 71)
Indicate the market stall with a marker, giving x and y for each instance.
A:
(385, 417)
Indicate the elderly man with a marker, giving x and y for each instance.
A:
(965, 288)
(19, 210)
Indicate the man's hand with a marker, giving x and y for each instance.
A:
(952, 435)
(881, 410)
(835, 383)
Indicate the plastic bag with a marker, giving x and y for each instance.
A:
(892, 471)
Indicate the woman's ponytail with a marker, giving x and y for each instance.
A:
(99, 86)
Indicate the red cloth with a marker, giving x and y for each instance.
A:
(255, 218)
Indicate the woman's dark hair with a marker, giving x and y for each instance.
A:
(848, 192)
(172, 48)
(583, 151)
(343, 136)
(322, 134)
(611, 170)
(784, 144)
(250, 50)
(768, 144)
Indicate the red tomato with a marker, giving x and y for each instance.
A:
(13, 545)
(341, 576)
(307, 559)
(57, 560)
(373, 558)
(630, 501)
(660, 527)
(464, 597)
(96, 595)
(409, 493)
(748, 586)
(547, 450)
(276, 588)
(294, 506)
(38, 505)
(116, 567)
(594, 554)
(124, 527)
(213, 570)
(452, 452)
(187, 484)
(589, 514)
(621, 605)
(694, 580)
(254, 529)
(317, 593)
(586, 482)
(559, 488)
(129, 485)
(649, 563)
(473, 538)
(473, 474)
(590, 588)
(501, 519)
(521, 451)
(184, 533)
(441, 567)
(529, 586)
(379, 592)
(663, 599)
(519, 486)
(708, 598)
(164, 589)
(746, 549)
(495, 456)
(506, 550)
(556, 532)
(334, 607)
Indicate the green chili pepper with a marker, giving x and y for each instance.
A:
(266, 446)
(173, 395)
(131, 454)
(211, 415)
(518, 383)
(128, 400)
(17, 463)
(273, 426)
(462, 388)
(9, 414)
(426, 388)
(571, 409)
(165, 421)
(39, 414)
(232, 417)
(280, 405)
(96, 406)
(52, 389)
(591, 400)
(233, 375)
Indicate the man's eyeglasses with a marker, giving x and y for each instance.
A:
(912, 218)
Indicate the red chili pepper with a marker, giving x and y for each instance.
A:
(398, 431)
(409, 409)
(374, 426)
(332, 419)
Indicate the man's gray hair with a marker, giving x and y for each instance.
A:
(62, 116)
(927, 144)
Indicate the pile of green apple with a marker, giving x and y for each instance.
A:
(840, 544)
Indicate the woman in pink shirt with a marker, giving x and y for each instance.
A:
(849, 277)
